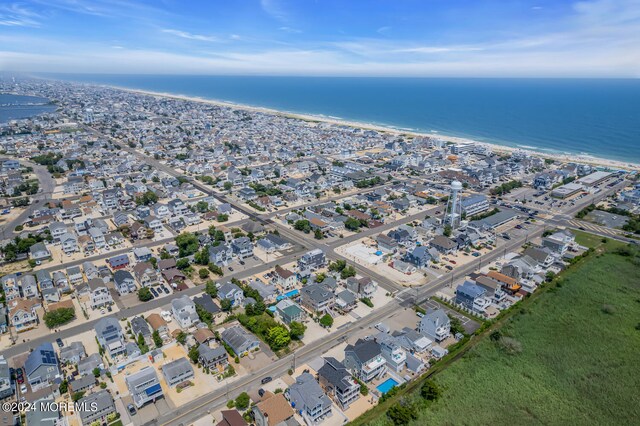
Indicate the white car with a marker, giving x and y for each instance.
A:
(23, 388)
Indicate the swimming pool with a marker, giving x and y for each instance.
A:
(386, 386)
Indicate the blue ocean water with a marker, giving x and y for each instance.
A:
(596, 117)
(13, 107)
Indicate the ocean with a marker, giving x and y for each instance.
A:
(593, 117)
(13, 107)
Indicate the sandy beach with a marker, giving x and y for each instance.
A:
(595, 161)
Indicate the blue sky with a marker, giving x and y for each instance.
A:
(323, 37)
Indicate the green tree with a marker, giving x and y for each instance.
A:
(181, 337)
(227, 186)
(226, 305)
(96, 372)
(317, 234)
(77, 396)
(348, 272)
(202, 257)
(352, 224)
(211, 289)
(64, 387)
(157, 339)
(242, 401)
(194, 354)
(144, 294)
(216, 269)
(447, 230)
(59, 317)
(401, 414)
(278, 337)
(430, 390)
(142, 344)
(187, 244)
(222, 217)
(203, 273)
(326, 321)
(296, 330)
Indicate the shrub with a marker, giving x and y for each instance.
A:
(144, 294)
(59, 317)
(242, 401)
(401, 414)
(430, 390)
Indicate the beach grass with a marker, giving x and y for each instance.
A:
(573, 357)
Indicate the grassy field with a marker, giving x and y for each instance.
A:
(569, 357)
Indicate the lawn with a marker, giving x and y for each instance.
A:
(570, 357)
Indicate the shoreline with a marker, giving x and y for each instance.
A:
(497, 148)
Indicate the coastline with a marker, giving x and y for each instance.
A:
(561, 157)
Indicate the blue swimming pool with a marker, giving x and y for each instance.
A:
(385, 386)
(292, 293)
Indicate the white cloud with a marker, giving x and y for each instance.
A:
(290, 30)
(17, 15)
(189, 36)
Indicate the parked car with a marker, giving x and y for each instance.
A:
(59, 342)
(266, 379)
(132, 409)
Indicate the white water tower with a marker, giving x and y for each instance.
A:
(453, 212)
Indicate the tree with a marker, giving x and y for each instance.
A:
(203, 273)
(352, 224)
(226, 305)
(59, 317)
(326, 321)
(317, 234)
(227, 186)
(242, 401)
(211, 289)
(456, 325)
(194, 354)
(302, 225)
(401, 414)
(144, 294)
(278, 337)
(222, 217)
(96, 372)
(296, 330)
(142, 344)
(64, 387)
(187, 243)
(202, 257)
(216, 269)
(338, 265)
(182, 264)
(430, 390)
(77, 396)
(182, 337)
(447, 230)
(157, 340)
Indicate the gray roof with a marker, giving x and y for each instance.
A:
(140, 377)
(364, 350)
(336, 373)
(106, 325)
(208, 353)
(307, 392)
(139, 325)
(42, 355)
(74, 349)
(181, 302)
(177, 368)
(103, 402)
(86, 365)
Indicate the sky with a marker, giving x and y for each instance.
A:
(439, 38)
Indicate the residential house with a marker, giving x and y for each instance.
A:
(6, 382)
(99, 294)
(363, 287)
(184, 311)
(143, 386)
(72, 353)
(419, 256)
(289, 311)
(29, 286)
(158, 324)
(146, 274)
(124, 282)
(346, 301)
(392, 351)
(273, 410)
(435, 325)
(231, 418)
(96, 407)
(41, 367)
(386, 244)
(140, 327)
(90, 363)
(309, 399)
(472, 296)
(285, 278)
(312, 260)
(110, 336)
(317, 297)
(207, 303)
(221, 254)
(559, 242)
(336, 381)
(39, 252)
(241, 341)
(413, 341)
(118, 262)
(97, 236)
(74, 273)
(364, 359)
(232, 292)
(22, 315)
(177, 371)
(214, 358)
(443, 244)
(543, 256)
(242, 247)
(69, 243)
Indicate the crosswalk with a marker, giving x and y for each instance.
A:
(594, 228)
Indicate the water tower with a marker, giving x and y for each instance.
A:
(453, 212)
